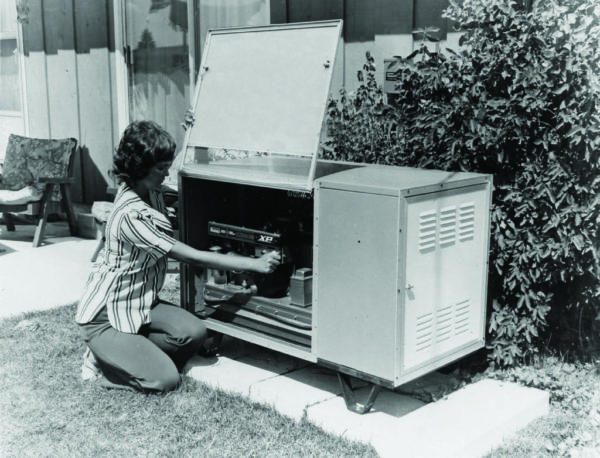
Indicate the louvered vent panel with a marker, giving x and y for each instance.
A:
(466, 222)
(446, 227)
(446, 324)
(462, 317)
(424, 331)
(427, 230)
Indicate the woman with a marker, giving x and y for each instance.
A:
(134, 339)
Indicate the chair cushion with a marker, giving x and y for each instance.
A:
(27, 159)
(19, 197)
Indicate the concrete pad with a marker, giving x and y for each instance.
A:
(273, 360)
(429, 387)
(233, 348)
(41, 278)
(333, 416)
(239, 375)
(291, 394)
(467, 423)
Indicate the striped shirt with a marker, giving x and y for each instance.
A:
(128, 278)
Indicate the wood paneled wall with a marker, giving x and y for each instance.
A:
(69, 75)
(364, 19)
(382, 27)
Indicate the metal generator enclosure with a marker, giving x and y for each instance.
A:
(384, 270)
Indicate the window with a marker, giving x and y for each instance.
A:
(10, 99)
(11, 112)
(9, 74)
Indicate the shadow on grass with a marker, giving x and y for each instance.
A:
(47, 410)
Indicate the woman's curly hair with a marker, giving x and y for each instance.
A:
(142, 146)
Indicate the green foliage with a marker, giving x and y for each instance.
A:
(567, 383)
(357, 122)
(573, 424)
(519, 100)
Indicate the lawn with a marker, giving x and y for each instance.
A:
(47, 410)
(572, 428)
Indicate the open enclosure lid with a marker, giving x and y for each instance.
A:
(260, 102)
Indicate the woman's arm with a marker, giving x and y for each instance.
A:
(185, 253)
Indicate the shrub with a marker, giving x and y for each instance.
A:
(519, 99)
(356, 123)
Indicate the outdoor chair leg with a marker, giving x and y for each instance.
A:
(67, 205)
(42, 216)
(8, 220)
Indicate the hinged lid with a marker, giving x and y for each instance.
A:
(262, 92)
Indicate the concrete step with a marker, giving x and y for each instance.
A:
(42, 278)
(85, 222)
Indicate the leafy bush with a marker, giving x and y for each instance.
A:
(519, 100)
(356, 123)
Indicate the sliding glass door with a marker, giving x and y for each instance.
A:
(215, 14)
(11, 82)
(160, 46)
(157, 57)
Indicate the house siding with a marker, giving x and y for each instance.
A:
(382, 27)
(69, 74)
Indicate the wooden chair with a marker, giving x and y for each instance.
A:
(36, 175)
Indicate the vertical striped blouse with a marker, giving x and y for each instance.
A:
(128, 278)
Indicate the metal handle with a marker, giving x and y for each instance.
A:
(127, 54)
(409, 287)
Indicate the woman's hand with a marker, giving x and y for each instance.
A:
(189, 118)
(267, 263)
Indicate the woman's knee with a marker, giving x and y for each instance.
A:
(198, 331)
(193, 333)
(181, 325)
(167, 381)
(159, 378)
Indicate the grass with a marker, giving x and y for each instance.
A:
(572, 428)
(47, 410)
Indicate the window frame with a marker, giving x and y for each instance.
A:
(22, 82)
